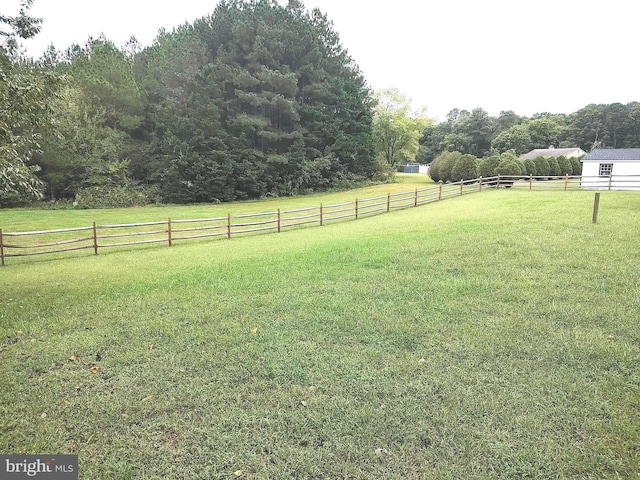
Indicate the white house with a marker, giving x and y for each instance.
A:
(611, 169)
(553, 152)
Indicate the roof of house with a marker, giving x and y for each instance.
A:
(613, 154)
(553, 152)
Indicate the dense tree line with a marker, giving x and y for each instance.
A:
(256, 99)
(477, 133)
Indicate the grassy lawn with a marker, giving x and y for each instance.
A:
(494, 335)
(18, 220)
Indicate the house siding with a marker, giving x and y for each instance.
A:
(625, 175)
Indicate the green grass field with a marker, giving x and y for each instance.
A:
(18, 220)
(494, 335)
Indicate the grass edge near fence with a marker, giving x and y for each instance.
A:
(444, 191)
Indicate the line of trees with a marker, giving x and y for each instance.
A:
(477, 133)
(455, 166)
(256, 99)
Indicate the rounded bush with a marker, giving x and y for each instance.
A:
(529, 167)
(554, 167)
(542, 166)
(565, 165)
(443, 164)
(509, 166)
(487, 166)
(576, 166)
(465, 168)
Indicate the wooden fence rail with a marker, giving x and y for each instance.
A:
(170, 231)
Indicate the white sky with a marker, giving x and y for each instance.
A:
(524, 55)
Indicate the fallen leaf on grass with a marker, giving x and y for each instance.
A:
(146, 399)
(254, 330)
(238, 473)
(94, 369)
(422, 360)
(73, 358)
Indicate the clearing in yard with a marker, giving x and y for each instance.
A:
(494, 335)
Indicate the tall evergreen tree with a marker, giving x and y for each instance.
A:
(274, 105)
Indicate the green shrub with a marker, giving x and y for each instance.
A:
(576, 166)
(434, 170)
(116, 196)
(442, 165)
(509, 166)
(565, 165)
(12, 200)
(465, 168)
(554, 167)
(530, 167)
(487, 166)
(542, 166)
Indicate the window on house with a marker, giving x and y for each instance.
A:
(605, 169)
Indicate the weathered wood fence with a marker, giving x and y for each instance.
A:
(171, 231)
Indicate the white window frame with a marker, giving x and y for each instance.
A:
(605, 169)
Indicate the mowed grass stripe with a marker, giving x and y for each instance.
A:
(19, 220)
(492, 335)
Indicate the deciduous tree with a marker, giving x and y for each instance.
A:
(397, 129)
(27, 91)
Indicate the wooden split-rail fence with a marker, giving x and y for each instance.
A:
(96, 238)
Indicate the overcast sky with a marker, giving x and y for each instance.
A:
(527, 56)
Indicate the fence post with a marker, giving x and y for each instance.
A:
(95, 238)
(530, 181)
(498, 184)
(356, 208)
(596, 204)
(388, 201)
(461, 186)
(566, 181)
(440, 191)
(415, 200)
(229, 226)
(169, 231)
(320, 214)
(279, 221)
(1, 248)
(610, 177)
(480, 186)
